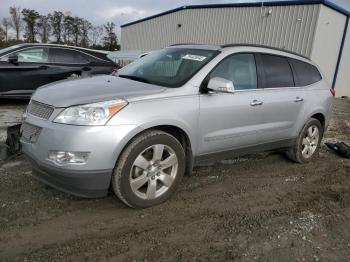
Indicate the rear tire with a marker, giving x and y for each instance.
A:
(149, 169)
(307, 144)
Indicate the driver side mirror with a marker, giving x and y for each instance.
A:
(13, 59)
(221, 85)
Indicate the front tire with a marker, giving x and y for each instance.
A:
(307, 145)
(149, 169)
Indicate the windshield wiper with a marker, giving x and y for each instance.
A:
(136, 78)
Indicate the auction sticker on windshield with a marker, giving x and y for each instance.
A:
(194, 57)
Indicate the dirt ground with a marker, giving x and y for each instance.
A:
(262, 208)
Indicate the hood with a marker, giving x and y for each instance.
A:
(92, 89)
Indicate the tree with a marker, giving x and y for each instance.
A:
(6, 23)
(56, 20)
(2, 34)
(67, 31)
(44, 28)
(85, 29)
(110, 40)
(76, 29)
(95, 34)
(30, 18)
(15, 13)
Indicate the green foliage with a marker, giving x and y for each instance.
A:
(110, 40)
(44, 28)
(10, 42)
(56, 19)
(30, 18)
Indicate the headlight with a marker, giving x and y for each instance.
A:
(96, 114)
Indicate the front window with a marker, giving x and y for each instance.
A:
(240, 69)
(30, 55)
(171, 67)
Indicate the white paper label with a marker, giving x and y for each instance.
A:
(194, 57)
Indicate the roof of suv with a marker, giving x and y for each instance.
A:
(222, 47)
(65, 46)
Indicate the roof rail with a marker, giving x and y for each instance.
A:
(265, 46)
(185, 44)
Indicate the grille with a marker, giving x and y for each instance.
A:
(40, 110)
(30, 133)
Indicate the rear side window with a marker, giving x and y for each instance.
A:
(67, 56)
(277, 71)
(304, 73)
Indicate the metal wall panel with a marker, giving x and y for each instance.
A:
(342, 85)
(327, 40)
(288, 27)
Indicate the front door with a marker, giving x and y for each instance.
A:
(30, 73)
(232, 120)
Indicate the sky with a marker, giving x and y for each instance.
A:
(102, 11)
(119, 11)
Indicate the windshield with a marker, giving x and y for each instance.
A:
(2, 51)
(171, 67)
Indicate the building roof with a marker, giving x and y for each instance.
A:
(342, 6)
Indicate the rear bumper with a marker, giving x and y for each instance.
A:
(89, 184)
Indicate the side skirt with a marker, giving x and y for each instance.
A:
(237, 152)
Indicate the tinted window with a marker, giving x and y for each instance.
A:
(240, 69)
(304, 73)
(278, 72)
(30, 55)
(66, 56)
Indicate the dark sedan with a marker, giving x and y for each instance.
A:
(25, 67)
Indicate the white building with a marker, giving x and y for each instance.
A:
(316, 29)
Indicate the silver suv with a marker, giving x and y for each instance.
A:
(140, 131)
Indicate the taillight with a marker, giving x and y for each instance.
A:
(115, 69)
(332, 91)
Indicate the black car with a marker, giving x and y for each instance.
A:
(25, 67)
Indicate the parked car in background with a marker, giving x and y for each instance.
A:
(126, 57)
(25, 67)
(140, 131)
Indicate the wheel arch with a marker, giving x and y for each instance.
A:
(318, 114)
(178, 132)
(320, 117)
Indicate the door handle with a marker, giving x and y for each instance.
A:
(298, 99)
(43, 67)
(256, 103)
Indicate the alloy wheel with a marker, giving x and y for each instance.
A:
(310, 141)
(153, 171)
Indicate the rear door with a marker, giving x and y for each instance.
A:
(30, 73)
(67, 63)
(315, 95)
(282, 102)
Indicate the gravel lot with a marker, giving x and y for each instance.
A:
(10, 114)
(262, 208)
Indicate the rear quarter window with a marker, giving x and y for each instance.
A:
(304, 73)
